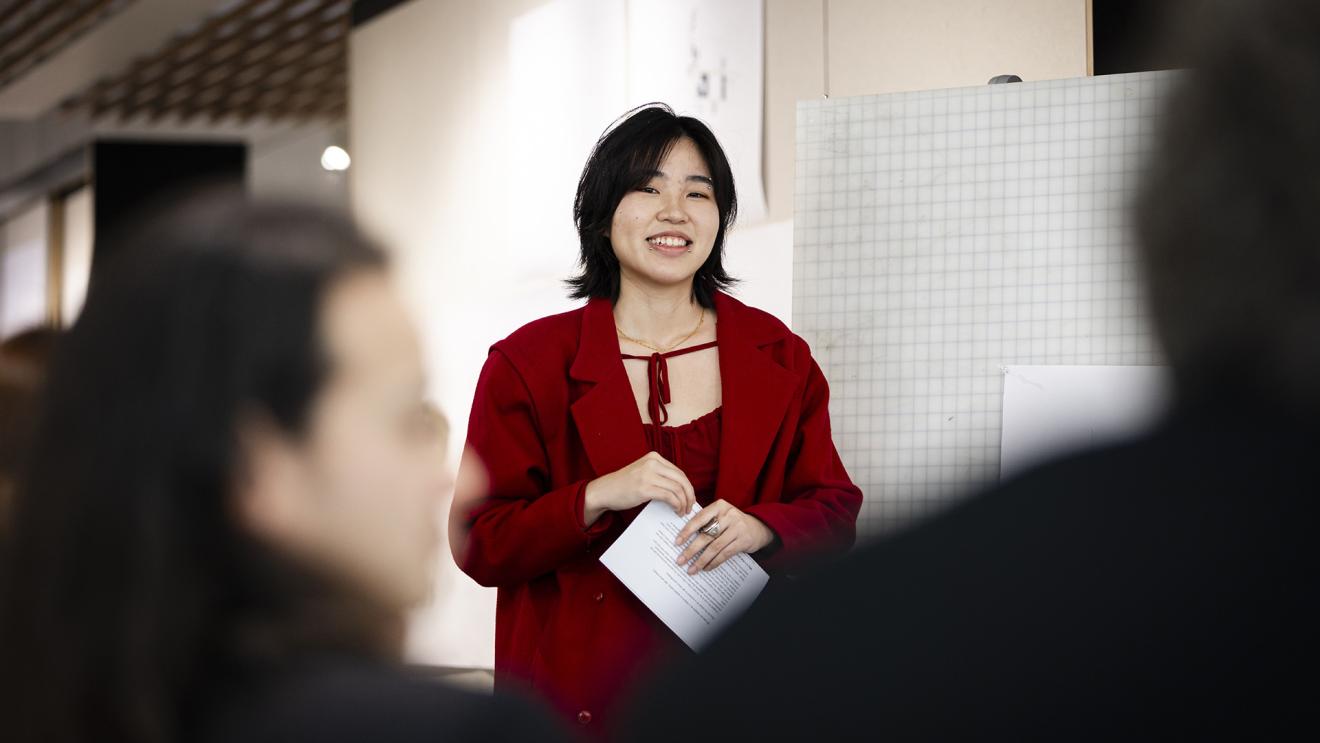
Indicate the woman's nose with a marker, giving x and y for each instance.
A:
(673, 211)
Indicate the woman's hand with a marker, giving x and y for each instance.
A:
(650, 478)
(738, 532)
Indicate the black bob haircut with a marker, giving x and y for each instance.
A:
(623, 159)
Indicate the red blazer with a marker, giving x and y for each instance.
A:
(554, 410)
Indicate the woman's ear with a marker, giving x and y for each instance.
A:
(270, 483)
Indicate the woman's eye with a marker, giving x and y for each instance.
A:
(699, 195)
(647, 189)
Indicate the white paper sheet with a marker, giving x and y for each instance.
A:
(695, 607)
(1050, 411)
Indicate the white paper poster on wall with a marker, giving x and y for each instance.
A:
(705, 59)
(1050, 411)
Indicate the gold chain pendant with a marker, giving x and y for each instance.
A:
(681, 341)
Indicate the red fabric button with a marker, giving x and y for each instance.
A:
(584, 717)
(600, 597)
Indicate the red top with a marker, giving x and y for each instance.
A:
(657, 377)
(694, 448)
(553, 410)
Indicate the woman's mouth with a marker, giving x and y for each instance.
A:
(669, 244)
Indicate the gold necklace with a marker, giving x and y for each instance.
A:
(644, 344)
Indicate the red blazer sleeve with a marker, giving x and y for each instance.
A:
(523, 528)
(818, 513)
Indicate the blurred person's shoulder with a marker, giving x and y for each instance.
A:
(1177, 566)
(336, 701)
(1214, 499)
(1232, 455)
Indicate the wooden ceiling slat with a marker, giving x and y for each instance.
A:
(22, 36)
(297, 80)
(66, 23)
(333, 106)
(274, 54)
(22, 26)
(132, 110)
(232, 76)
(14, 8)
(299, 76)
(261, 58)
(272, 44)
(191, 48)
(156, 63)
(285, 109)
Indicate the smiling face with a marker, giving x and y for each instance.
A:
(664, 230)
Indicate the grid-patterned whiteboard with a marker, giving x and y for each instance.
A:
(940, 235)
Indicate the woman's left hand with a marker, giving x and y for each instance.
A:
(738, 532)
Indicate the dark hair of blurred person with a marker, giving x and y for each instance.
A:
(1162, 588)
(1228, 217)
(232, 499)
(23, 360)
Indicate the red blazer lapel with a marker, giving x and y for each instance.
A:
(606, 416)
(756, 391)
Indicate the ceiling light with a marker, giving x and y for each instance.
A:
(335, 158)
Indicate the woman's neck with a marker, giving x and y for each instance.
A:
(658, 315)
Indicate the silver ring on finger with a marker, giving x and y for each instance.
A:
(712, 529)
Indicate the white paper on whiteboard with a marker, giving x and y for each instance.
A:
(1050, 411)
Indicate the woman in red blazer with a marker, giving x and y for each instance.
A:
(663, 388)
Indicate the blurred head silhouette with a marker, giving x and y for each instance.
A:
(1229, 214)
(235, 467)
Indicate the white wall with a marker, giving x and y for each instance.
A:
(430, 127)
(894, 45)
(23, 264)
(428, 133)
(818, 48)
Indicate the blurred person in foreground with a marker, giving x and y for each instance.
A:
(1163, 588)
(232, 501)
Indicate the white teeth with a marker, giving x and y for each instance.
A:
(669, 242)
